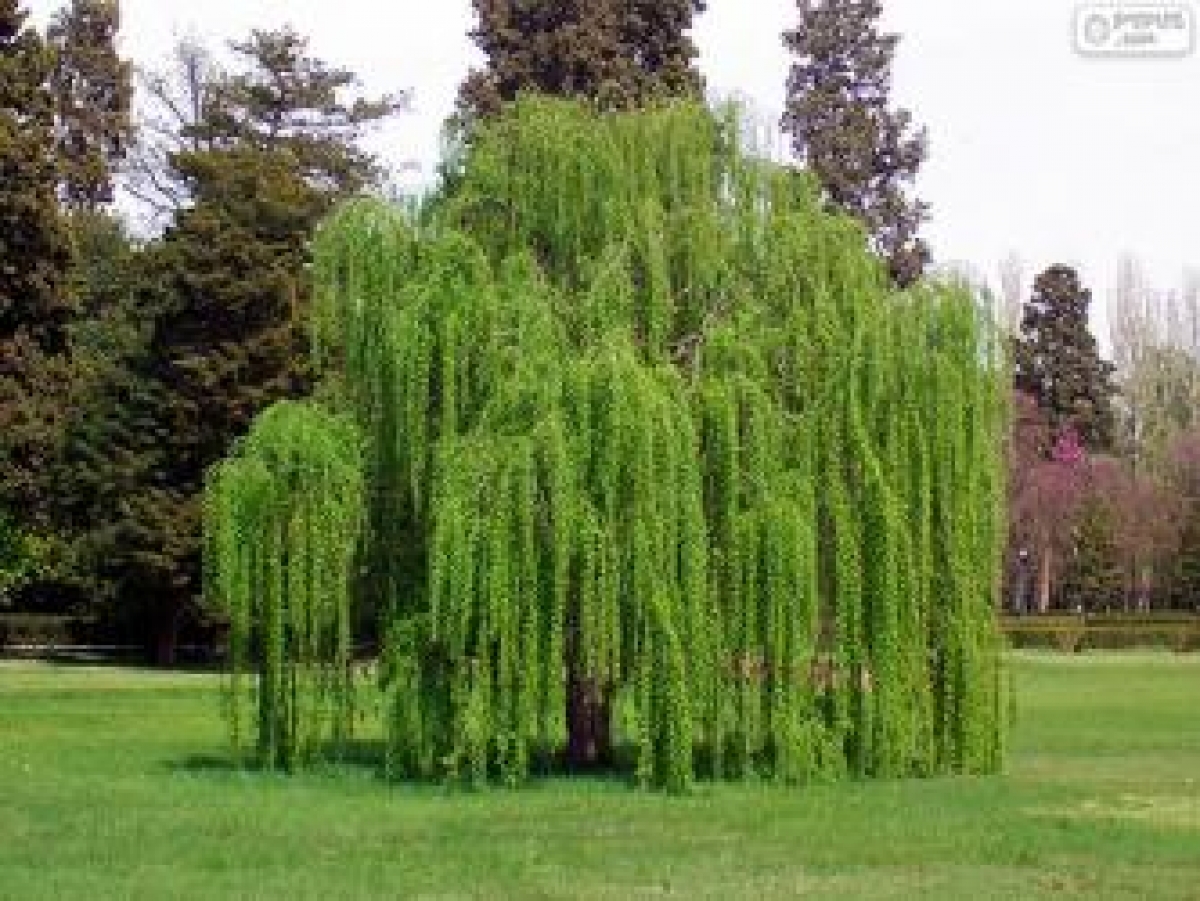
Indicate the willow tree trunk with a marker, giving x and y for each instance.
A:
(166, 632)
(589, 708)
(589, 724)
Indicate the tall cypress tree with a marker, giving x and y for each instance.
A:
(93, 91)
(838, 112)
(1058, 361)
(619, 53)
(35, 259)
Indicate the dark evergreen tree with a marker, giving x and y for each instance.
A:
(865, 153)
(277, 97)
(93, 91)
(219, 296)
(215, 335)
(35, 258)
(619, 53)
(1093, 579)
(1058, 362)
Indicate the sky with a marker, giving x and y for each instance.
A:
(1035, 149)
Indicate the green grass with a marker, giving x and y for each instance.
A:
(113, 785)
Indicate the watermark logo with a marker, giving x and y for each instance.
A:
(1135, 30)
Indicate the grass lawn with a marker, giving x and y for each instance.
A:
(113, 785)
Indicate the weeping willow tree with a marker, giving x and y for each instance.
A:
(283, 516)
(660, 475)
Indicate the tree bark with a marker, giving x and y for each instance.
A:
(166, 636)
(589, 724)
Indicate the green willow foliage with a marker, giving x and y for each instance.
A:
(645, 426)
(283, 517)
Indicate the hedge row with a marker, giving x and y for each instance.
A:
(1106, 632)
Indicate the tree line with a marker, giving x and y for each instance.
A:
(1104, 507)
(130, 366)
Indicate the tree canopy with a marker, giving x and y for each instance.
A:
(652, 477)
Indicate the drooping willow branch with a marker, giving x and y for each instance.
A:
(283, 516)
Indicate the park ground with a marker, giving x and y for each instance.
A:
(114, 783)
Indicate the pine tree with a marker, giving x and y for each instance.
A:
(864, 153)
(222, 291)
(35, 258)
(220, 300)
(276, 98)
(618, 53)
(93, 91)
(281, 99)
(1058, 362)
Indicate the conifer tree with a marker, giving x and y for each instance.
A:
(281, 99)
(220, 301)
(618, 53)
(35, 258)
(93, 92)
(838, 112)
(1058, 361)
(275, 97)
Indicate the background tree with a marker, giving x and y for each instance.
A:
(275, 97)
(1185, 579)
(1156, 351)
(1058, 362)
(281, 100)
(865, 154)
(93, 90)
(1142, 512)
(214, 332)
(1012, 292)
(221, 293)
(1092, 578)
(1047, 478)
(35, 259)
(619, 53)
(15, 558)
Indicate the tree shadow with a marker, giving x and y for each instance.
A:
(358, 757)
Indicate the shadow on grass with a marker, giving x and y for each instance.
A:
(360, 757)
(366, 760)
(129, 660)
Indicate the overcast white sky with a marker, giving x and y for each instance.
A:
(1034, 149)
